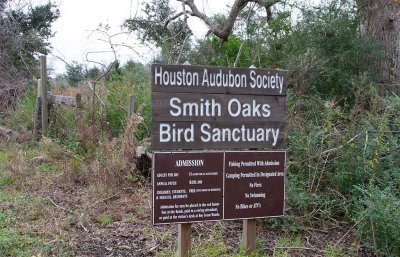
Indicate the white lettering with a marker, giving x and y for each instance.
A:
(236, 108)
(173, 133)
(239, 134)
(157, 75)
(165, 136)
(177, 107)
(203, 129)
(230, 107)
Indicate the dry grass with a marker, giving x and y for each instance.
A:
(66, 91)
(127, 152)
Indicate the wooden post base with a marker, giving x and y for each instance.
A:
(249, 236)
(184, 239)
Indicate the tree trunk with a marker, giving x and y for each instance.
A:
(380, 19)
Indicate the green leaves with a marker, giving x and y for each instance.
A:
(152, 28)
(378, 217)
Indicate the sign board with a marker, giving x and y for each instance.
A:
(217, 108)
(204, 186)
(217, 80)
(187, 187)
(205, 107)
(254, 184)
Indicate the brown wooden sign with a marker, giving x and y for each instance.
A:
(217, 80)
(187, 187)
(207, 135)
(217, 107)
(200, 186)
(205, 107)
(254, 184)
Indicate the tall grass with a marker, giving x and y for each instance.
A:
(21, 119)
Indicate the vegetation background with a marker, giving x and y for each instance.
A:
(84, 189)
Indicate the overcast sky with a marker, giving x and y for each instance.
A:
(74, 37)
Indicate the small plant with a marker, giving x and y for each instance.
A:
(51, 167)
(76, 172)
(4, 156)
(5, 180)
(105, 219)
(37, 209)
(337, 251)
(5, 177)
(260, 250)
(286, 242)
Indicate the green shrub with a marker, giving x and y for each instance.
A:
(21, 119)
(136, 73)
(143, 108)
(324, 53)
(374, 152)
(378, 218)
(117, 107)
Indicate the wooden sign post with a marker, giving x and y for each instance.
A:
(37, 120)
(131, 108)
(43, 86)
(184, 239)
(223, 112)
(249, 235)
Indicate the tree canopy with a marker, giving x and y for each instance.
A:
(24, 33)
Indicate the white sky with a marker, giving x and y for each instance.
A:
(74, 36)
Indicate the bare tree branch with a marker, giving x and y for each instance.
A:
(182, 47)
(224, 31)
(96, 52)
(62, 59)
(174, 17)
(242, 44)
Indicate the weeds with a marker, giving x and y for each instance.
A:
(14, 241)
(105, 220)
(378, 217)
(338, 251)
(21, 120)
(5, 180)
(283, 245)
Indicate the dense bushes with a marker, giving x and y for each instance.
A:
(343, 139)
(338, 151)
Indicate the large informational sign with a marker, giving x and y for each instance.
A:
(204, 186)
(202, 107)
(224, 112)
